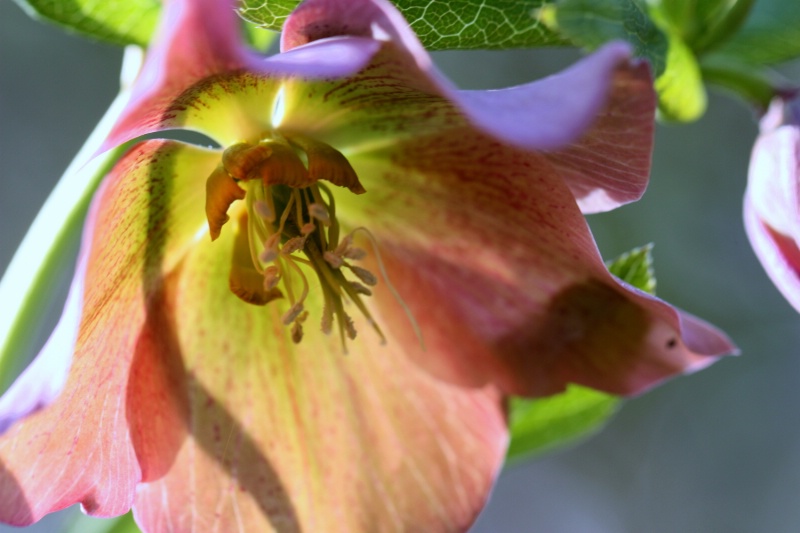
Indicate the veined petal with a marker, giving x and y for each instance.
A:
(609, 165)
(198, 42)
(287, 437)
(89, 445)
(195, 39)
(488, 248)
(596, 115)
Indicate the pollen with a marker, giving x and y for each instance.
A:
(289, 231)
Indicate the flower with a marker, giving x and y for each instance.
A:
(198, 392)
(771, 208)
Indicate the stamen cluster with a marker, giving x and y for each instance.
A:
(289, 212)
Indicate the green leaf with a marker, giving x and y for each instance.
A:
(540, 425)
(590, 23)
(754, 84)
(770, 35)
(703, 24)
(88, 524)
(444, 25)
(119, 22)
(258, 38)
(543, 424)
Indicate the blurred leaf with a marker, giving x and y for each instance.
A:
(258, 38)
(115, 21)
(770, 35)
(444, 25)
(88, 524)
(540, 425)
(681, 93)
(702, 24)
(590, 23)
(543, 424)
(754, 84)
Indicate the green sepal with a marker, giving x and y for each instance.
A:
(544, 424)
(120, 22)
(456, 24)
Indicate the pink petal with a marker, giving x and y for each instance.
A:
(303, 438)
(44, 378)
(199, 40)
(610, 164)
(772, 200)
(498, 266)
(195, 39)
(114, 422)
(598, 113)
(779, 254)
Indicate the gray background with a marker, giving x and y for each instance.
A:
(714, 452)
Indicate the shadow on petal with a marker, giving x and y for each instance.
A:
(13, 506)
(194, 453)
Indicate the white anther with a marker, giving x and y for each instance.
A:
(268, 255)
(320, 212)
(292, 245)
(332, 259)
(293, 312)
(355, 253)
(264, 210)
(344, 244)
(364, 275)
(271, 278)
(270, 252)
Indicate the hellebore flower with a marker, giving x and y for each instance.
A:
(201, 390)
(771, 202)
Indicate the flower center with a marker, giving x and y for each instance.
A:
(289, 227)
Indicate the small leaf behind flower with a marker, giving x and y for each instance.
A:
(544, 424)
(636, 267)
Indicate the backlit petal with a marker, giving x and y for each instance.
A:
(287, 437)
(199, 41)
(114, 422)
(493, 256)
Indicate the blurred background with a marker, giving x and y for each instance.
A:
(715, 452)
